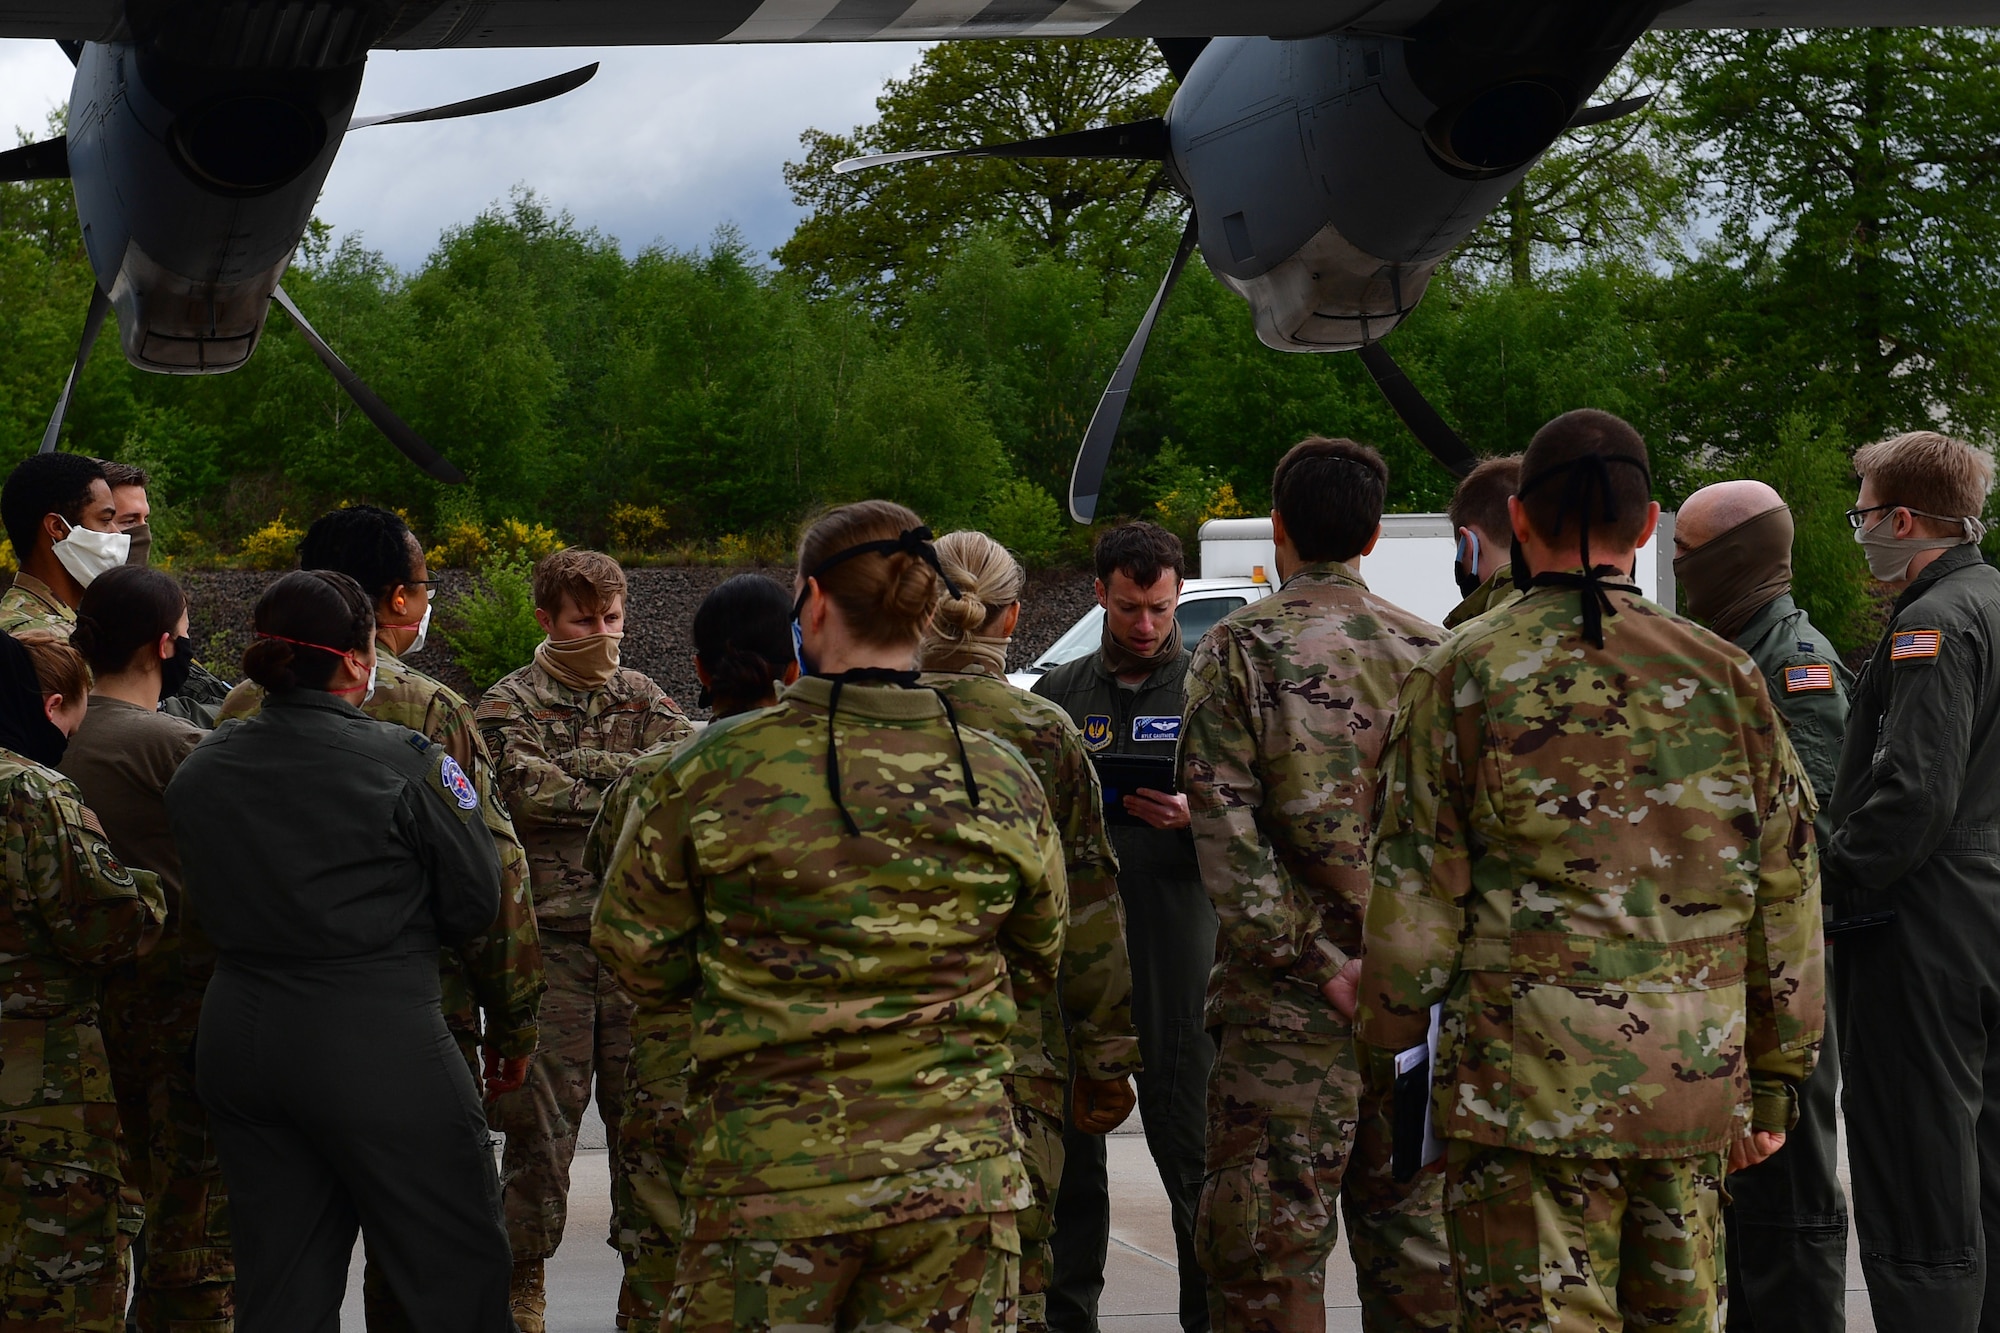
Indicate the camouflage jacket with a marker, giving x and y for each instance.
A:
(30, 604)
(1289, 701)
(1094, 1025)
(556, 750)
(1601, 861)
(499, 972)
(852, 995)
(69, 912)
(1491, 595)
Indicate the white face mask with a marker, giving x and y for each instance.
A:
(1889, 556)
(423, 631)
(369, 693)
(86, 553)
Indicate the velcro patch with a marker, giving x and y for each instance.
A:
(1156, 728)
(1097, 730)
(1804, 679)
(459, 785)
(1912, 644)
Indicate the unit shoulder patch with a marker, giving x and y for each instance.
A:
(1806, 679)
(1912, 645)
(460, 786)
(1097, 730)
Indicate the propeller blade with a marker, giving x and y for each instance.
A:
(93, 324)
(413, 445)
(1598, 115)
(44, 161)
(1432, 431)
(526, 95)
(1141, 141)
(1086, 482)
(1180, 53)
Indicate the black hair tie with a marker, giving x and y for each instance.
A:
(1588, 479)
(914, 542)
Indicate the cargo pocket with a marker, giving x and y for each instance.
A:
(63, 1226)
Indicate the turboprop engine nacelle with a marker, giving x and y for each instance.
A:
(1331, 176)
(193, 186)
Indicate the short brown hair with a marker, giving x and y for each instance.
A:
(1929, 472)
(59, 668)
(589, 580)
(1143, 550)
(1481, 499)
(1551, 466)
(1330, 494)
(124, 474)
(885, 596)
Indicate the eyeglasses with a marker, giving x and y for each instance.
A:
(1857, 518)
(421, 583)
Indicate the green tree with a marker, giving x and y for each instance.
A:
(883, 231)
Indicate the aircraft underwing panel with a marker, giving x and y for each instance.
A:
(61, 20)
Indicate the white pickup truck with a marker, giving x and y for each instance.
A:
(1411, 567)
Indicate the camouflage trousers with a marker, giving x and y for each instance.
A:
(586, 1038)
(186, 1280)
(64, 1241)
(941, 1275)
(1585, 1245)
(1289, 1129)
(1042, 1154)
(649, 1152)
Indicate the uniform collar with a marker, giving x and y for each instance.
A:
(1326, 572)
(1957, 558)
(317, 700)
(1166, 670)
(878, 703)
(44, 594)
(1769, 617)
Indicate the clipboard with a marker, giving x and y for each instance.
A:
(1122, 774)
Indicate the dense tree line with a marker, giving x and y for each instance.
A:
(1792, 251)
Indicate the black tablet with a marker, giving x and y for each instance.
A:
(1122, 774)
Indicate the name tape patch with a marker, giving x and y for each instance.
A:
(1156, 728)
(1915, 643)
(1804, 679)
(1097, 730)
(459, 785)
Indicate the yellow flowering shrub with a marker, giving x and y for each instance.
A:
(275, 546)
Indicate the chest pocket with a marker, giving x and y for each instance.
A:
(620, 730)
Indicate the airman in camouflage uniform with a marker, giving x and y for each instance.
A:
(901, 956)
(1289, 704)
(558, 747)
(1092, 1036)
(1483, 563)
(69, 911)
(1595, 849)
(29, 604)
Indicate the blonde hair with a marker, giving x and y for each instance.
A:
(884, 596)
(1926, 471)
(989, 581)
(589, 580)
(59, 668)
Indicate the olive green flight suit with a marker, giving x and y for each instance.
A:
(1787, 1219)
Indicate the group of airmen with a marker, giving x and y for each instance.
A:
(860, 972)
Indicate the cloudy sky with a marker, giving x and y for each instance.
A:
(665, 144)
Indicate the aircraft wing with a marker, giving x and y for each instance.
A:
(61, 20)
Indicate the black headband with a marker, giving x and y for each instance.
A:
(1589, 479)
(911, 541)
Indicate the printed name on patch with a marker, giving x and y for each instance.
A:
(1801, 679)
(1156, 728)
(1915, 643)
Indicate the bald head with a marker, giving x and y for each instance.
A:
(1714, 510)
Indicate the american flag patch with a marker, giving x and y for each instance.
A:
(1914, 643)
(1800, 679)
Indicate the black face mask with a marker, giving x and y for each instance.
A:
(174, 670)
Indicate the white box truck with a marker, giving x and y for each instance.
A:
(1411, 567)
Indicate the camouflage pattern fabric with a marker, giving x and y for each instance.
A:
(1496, 592)
(557, 750)
(1042, 1154)
(1601, 861)
(1093, 1037)
(69, 911)
(499, 972)
(1585, 1244)
(1287, 1136)
(30, 604)
(1289, 703)
(649, 1150)
(954, 1275)
(853, 995)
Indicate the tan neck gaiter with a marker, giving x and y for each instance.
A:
(581, 664)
